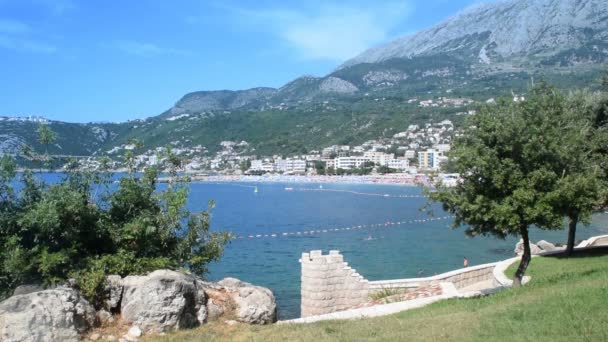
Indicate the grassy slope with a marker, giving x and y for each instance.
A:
(566, 301)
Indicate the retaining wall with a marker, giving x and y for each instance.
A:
(596, 241)
(330, 285)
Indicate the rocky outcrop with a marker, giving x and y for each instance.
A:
(250, 304)
(25, 289)
(113, 291)
(519, 248)
(163, 300)
(541, 246)
(337, 85)
(59, 314)
(546, 246)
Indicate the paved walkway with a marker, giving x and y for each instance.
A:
(482, 285)
(447, 290)
(372, 311)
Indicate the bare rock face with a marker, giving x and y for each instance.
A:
(502, 29)
(163, 300)
(59, 314)
(113, 290)
(25, 289)
(337, 85)
(253, 304)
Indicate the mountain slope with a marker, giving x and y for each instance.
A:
(484, 52)
(505, 31)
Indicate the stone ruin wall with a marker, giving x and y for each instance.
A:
(330, 285)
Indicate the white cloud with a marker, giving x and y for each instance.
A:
(146, 49)
(329, 31)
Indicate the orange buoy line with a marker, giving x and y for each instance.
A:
(309, 232)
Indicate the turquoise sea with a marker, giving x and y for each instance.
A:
(409, 249)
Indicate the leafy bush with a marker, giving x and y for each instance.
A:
(86, 227)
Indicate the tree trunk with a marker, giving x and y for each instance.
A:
(525, 258)
(571, 234)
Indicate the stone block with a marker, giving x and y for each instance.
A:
(319, 261)
(316, 253)
(336, 258)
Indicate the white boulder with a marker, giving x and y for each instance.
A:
(113, 291)
(254, 304)
(519, 248)
(546, 246)
(59, 314)
(163, 300)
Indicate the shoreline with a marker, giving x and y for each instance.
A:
(394, 179)
(400, 180)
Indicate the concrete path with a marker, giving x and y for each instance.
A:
(372, 311)
(482, 285)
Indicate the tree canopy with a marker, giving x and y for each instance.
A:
(519, 162)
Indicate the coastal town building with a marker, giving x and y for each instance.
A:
(428, 160)
(379, 158)
(399, 164)
(348, 163)
(291, 166)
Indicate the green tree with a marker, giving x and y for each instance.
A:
(604, 80)
(581, 186)
(320, 167)
(507, 157)
(383, 169)
(46, 137)
(245, 165)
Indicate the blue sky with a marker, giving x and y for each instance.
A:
(105, 60)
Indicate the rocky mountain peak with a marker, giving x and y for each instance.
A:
(498, 31)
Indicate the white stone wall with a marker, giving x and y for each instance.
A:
(329, 284)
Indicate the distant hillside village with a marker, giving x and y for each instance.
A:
(419, 149)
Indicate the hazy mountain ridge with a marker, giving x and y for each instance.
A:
(486, 51)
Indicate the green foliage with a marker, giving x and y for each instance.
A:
(510, 159)
(385, 293)
(523, 164)
(80, 228)
(46, 136)
(383, 169)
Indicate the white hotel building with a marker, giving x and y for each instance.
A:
(348, 163)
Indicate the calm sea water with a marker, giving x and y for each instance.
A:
(409, 250)
(397, 251)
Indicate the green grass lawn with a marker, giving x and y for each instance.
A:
(567, 300)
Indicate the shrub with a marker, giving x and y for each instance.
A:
(85, 227)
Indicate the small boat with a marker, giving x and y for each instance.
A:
(320, 186)
(288, 188)
(255, 189)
